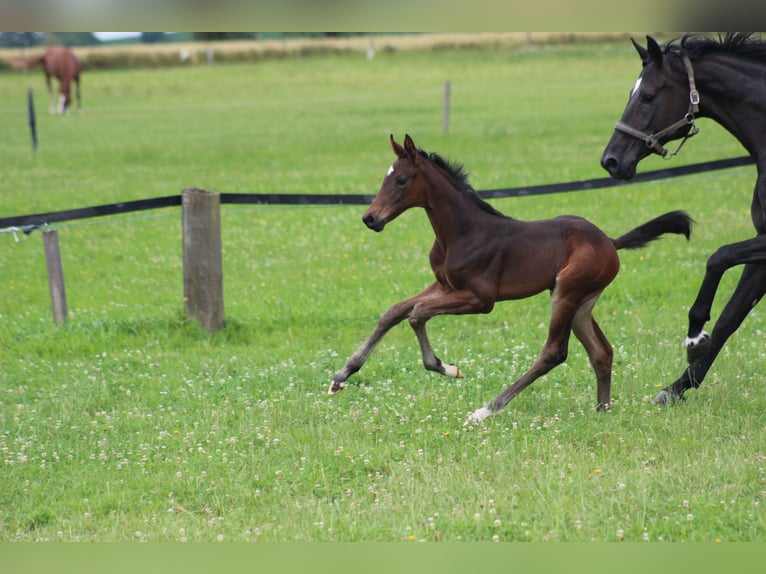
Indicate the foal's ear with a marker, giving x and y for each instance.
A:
(398, 150)
(409, 145)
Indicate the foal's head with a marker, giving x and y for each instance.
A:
(659, 99)
(403, 187)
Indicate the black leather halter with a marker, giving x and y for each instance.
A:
(653, 140)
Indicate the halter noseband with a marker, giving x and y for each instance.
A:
(652, 140)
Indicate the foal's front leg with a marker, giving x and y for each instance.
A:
(390, 318)
(441, 302)
(434, 300)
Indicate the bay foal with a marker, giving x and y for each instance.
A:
(481, 256)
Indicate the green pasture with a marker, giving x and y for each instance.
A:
(129, 423)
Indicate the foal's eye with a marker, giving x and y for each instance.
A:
(647, 97)
(402, 180)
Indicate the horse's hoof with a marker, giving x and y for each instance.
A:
(666, 398)
(663, 399)
(336, 387)
(453, 371)
(478, 416)
(697, 347)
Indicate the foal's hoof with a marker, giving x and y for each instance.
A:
(697, 347)
(453, 371)
(336, 387)
(478, 416)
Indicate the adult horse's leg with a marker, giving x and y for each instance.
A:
(50, 93)
(751, 251)
(63, 97)
(749, 290)
(599, 351)
(77, 88)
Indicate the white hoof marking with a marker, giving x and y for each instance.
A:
(694, 341)
(452, 371)
(335, 389)
(479, 415)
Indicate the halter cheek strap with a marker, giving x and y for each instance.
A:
(653, 140)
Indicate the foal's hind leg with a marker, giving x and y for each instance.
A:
(599, 351)
(554, 353)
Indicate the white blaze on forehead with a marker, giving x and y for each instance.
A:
(390, 170)
(636, 86)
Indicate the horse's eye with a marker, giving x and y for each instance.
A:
(402, 180)
(647, 97)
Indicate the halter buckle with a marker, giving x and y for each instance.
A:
(694, 97)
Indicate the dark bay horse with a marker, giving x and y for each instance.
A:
(725, 80)
(60, 62)
(481, 256)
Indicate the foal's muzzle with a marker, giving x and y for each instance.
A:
(373, 221)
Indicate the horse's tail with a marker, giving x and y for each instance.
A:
(677, 222)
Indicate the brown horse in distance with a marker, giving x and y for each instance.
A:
(60, 62)
(481, 256)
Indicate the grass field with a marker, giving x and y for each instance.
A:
(130, 423)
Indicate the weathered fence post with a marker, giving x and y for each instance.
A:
(203, 268)
(55, 275)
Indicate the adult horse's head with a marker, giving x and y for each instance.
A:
(660, 109)
(401, 188)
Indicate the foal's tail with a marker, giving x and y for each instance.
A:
(677, 222)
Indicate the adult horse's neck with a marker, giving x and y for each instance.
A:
(733, 93)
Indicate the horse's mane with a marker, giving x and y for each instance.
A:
(736, 43)
(459, 175)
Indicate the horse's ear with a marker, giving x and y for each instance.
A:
(398, 150)
(409, 145)
(655, 52)
(643, 52)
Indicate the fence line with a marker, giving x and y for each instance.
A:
(27, 223)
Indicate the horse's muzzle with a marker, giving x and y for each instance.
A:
(373, 221)
(617, 169)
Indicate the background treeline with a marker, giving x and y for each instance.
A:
(160, 49)
(33, 39)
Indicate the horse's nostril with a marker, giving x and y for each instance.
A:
(368, 219)
(609, 162)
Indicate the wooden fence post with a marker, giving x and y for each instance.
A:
(55, 275)
(203, 268)
(447, 94)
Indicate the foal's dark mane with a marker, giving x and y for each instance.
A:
(456, 171)
(735, 43)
